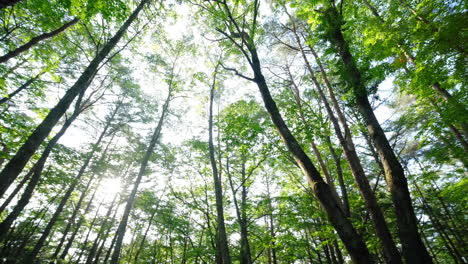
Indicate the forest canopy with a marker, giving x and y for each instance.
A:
(233, 131)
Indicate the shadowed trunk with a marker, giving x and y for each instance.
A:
(413, 247)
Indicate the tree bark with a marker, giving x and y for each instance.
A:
(36, 40)
(222, 243)
(14, 167)
(413, 247)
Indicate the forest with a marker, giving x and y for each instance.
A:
(233, 131)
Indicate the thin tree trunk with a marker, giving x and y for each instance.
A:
(36, 40)
(32, 256)
(144, 163)
(352, 240)
(16, 164)
(36, 171)
(21, 88)
(85, 242)
(339, 172)
(222, 243)
(245, 254)
(71, 220)
(142, 244)
(97, 240)
(413, 247)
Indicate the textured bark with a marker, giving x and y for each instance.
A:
(36, 40)
(144, 163)
(413, 247)
(221, 243)
(14, 167)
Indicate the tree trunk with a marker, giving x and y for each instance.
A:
(351, 239)
(222, 243)
(72, 218)
(85, 242)
(35, 173)
(144, 163)
(97, 240)
(21, 88)
(339, 172)
(413, 247)
(142, 244)
(346, 141)
(14, 167)
(45, 233)
(36, 40)
(245, 254)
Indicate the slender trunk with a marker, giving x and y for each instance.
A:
(21, 88)
(14, 167)
(390, 249)
(222, 243)
(453, 250)
(15, 192)
(36, 40)
(110, 249)
(413, 247)
(32, 256)
(106, 235)
(245, 254)
(143, 240)
(72, 218)
(339, 172)
(144, 163)
(272, 249)
(85, 242)
(97, 240)
(35, 173)
(7, 3)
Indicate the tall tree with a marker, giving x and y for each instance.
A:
(16, 164)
